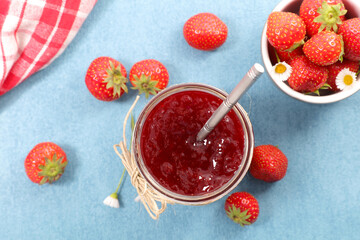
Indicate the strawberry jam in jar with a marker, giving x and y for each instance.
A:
(170, 159)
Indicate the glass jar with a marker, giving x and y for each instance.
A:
(205, 198)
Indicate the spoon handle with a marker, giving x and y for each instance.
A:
(245, 83)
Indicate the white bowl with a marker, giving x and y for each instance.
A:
(268, 56)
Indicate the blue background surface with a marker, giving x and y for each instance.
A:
(318, 198)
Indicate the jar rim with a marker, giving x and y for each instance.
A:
(217, 193)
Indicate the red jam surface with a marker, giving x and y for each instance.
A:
(171, 154)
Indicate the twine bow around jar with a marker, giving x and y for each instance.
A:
(149, 197)
(155, 199)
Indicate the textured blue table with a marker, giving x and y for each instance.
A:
(318, 198)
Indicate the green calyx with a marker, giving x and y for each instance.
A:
(52, 169)
(325, 86)
(115, 79)
(238, 217)
(295, 46)
(145, 85)
(317, 92)
(330, 16)
(341, 57)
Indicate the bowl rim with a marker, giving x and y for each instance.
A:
(335, 97)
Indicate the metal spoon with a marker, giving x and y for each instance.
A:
(245, 83)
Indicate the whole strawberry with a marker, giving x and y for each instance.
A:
(285, 56)
(322, 14)
(106, 79)
(324, 48)
(285, 30)
(149, 76)
(268, 163)
(205, 31)
(350, 31)
(336, 68)
(306, 76)
(45, 163)
(242, 208)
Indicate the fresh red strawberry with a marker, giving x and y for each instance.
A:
(324, 48)
(322, 14)
(149, 76)
(45, 163)
(350, 30)
(106, 79)
(336, 68)
(285, 56)
(268, 163)
(306, 76)
(242, 208)
(205, 31)
(285, 30)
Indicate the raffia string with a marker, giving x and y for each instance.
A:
(149, 197)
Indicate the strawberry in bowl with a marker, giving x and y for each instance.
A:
(331, 38)
(350, 31)
(285, 31)
(324, 48)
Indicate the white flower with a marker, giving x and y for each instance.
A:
(281, 71)
(346, 79)
(112, 201)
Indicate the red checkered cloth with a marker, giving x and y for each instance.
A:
(33, 33)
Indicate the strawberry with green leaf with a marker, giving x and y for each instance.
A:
(350, 31)
(242, 208)
(324, 48)
(285, 31)
(149, 77)
(45, 163)
(320, 15)
(106, 79)
(306, 76)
